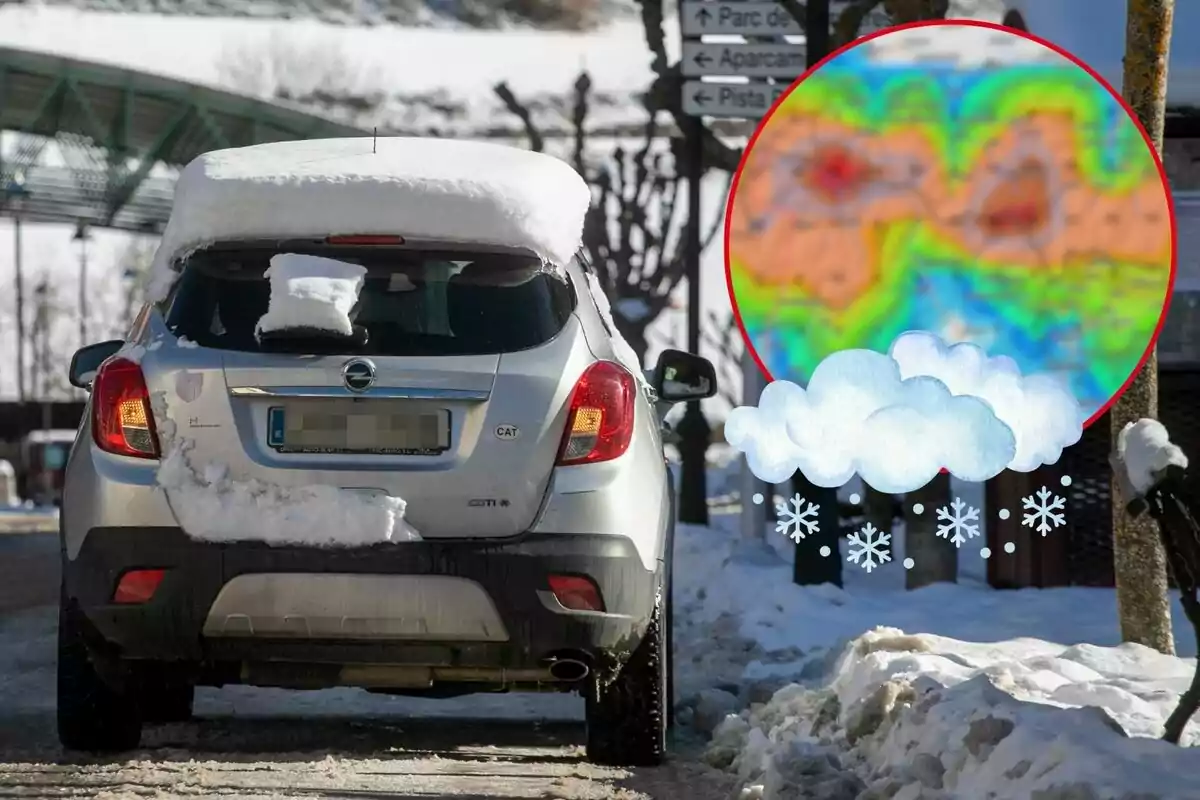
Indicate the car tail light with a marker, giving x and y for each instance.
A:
(600, 421)
(576, 592)
(121, 419)
(138, 586)
(365, 239)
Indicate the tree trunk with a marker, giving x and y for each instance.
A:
(1139, 561)
(810, 568)
(902, 11)
(934, 560)
(877, 509)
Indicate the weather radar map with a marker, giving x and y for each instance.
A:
(962, 180)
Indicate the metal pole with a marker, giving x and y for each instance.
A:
(811, 568)
(19, 288)
(693, 428)
(754, 515)
(43, 357)
(83, 288)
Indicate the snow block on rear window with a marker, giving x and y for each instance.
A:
(439, 189)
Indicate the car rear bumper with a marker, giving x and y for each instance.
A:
(205, 608)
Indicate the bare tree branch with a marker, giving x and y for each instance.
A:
(664, 91)
(536, 141)
(849, 23)
(579, 112)
(718, 223)
(725, 342)
(902, 11)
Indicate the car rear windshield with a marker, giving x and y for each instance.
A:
(412, 303)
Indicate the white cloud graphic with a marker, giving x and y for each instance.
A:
(897, 420)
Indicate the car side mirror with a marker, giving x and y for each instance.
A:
(680, 376)
(87, 360)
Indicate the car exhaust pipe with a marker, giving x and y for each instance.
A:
(568, 669)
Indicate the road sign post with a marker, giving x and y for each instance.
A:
(750, 77)
(809, 569)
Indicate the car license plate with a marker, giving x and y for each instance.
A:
(316, 428)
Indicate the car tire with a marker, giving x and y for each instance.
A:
(164, 697)
(627, 717)
(93, 717)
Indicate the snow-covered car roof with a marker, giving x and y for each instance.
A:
(424, 188)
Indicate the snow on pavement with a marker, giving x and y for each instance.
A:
(250, 742)
(966, 693)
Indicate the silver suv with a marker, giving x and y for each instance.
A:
(483, 390)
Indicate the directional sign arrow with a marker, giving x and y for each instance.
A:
(743, 60)
(734, 100)
(745, 17)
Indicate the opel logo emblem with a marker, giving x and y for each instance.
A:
(358, 374)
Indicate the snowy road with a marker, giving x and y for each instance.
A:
(256, 742)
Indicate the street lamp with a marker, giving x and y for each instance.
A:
(15, 194)
(83, 235)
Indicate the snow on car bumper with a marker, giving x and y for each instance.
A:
(197, 612)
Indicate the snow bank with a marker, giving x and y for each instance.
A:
(822, 711)
(415, 79)
(922, 716)
(1145, 449)
(447, 190)
(311, 292)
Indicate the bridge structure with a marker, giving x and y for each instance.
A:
(119, 135)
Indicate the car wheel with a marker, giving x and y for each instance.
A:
(165, 697)
(627, 718)
(93, 716)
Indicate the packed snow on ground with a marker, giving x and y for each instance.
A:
(311, 292)
(1145, 449)
(436, 189)
(952, 691)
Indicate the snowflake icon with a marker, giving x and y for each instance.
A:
(1041, 507)
(869, 547)
(797, 518)
(961, 522)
